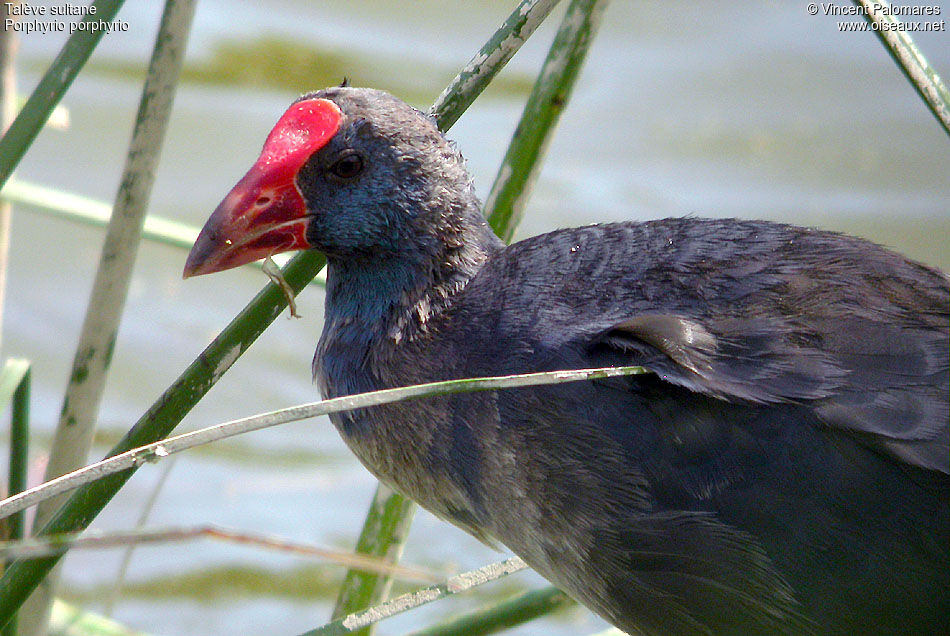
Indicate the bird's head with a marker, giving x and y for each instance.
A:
(355, 173)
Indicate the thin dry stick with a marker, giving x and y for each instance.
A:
(161, 449)
(38, 547)
(412, 600)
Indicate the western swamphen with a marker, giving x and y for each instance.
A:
(783, 469)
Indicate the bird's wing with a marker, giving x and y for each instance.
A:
(886, 383)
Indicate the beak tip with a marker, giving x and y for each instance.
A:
(197, 263)
(200, 266)
(204, 254)
(192, 265)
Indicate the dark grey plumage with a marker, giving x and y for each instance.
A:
(783, 470)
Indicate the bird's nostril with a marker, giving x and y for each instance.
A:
(261, 202)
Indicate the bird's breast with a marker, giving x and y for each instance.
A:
(421, 448)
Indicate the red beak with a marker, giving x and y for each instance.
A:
(265, 213)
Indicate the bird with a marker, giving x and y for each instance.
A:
(781, 468)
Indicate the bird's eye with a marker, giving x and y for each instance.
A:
(347, 166)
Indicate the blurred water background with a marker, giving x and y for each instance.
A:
(713, 109)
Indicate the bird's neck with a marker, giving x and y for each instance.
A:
(375, 303)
